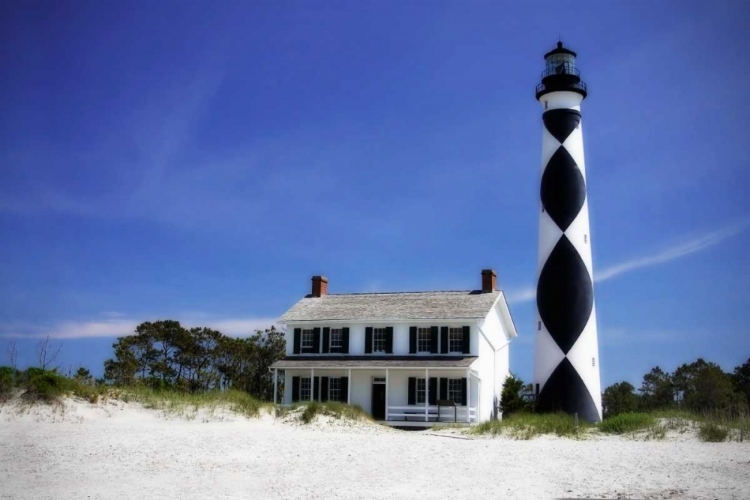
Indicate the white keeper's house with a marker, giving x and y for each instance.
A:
(407, 358)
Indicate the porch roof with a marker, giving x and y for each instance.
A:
(322, 362)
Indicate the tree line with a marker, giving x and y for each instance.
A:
(166, 355)
(698, 386)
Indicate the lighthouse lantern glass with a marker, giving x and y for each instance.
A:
(560, 64)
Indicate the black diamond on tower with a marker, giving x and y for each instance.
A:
(564, 294)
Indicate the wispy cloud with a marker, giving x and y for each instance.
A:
(118, 326)
(663, 256)
(672, 253)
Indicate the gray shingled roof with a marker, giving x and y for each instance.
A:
(293, 362)
(386, 306)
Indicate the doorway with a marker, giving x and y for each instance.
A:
(378, 400)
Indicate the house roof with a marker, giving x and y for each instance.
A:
(292, 362)
(393, 306)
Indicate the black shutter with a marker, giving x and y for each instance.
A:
(345, 340)
(368, 340)
(412, 340)
(316, 340)
(412, 391)
(297, 339)
(295, 389)
(443, 388)
(326, 340)
(344, 384)
(324, 388)
(444, 340)
(434, 340)
(316, 389)
(433, 391)
(467, 340)
(389, 340)
(463, 391)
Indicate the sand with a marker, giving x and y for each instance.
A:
(121, 450)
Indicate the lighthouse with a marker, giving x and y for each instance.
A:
(566, 352)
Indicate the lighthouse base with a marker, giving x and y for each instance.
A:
(565, 391)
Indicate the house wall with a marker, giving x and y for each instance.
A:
(398, 388)
(400, 335)
(493, 366)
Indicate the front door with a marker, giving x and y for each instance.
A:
(378, 401)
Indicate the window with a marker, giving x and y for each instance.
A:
(455, 389)
(307, 340)
(337, 339)
(593, 361)
(334, 389)
(585, 238)
(304, 389)
(456, 340)
(424, 340)
(378, 340)
(539, 325)
(421, 391)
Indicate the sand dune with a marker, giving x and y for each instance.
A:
(121, 450)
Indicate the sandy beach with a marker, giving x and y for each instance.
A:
(121, 450)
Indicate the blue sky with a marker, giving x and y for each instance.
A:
(200, 161)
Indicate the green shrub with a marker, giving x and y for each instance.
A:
(711, 432)
(627, 422)
(45, 386)
(7, 382)
(311, 410)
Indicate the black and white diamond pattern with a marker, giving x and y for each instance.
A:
(565, 293)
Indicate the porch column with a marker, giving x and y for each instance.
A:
(468, 394)
(386, 394)
(275, 383)
(426, 394)
(312, 383)
(349, 389)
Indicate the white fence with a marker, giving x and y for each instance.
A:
(431, 413)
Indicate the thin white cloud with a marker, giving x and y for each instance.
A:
(117, 327)
(672, 253)
(669, 254)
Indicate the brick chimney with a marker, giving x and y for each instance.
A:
(319, 286)
(489, 280)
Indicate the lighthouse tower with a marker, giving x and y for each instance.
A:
(566, 357)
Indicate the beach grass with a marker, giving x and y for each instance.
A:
(526, 426)
(333, 409)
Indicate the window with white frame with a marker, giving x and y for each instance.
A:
(378, 340)
(456, 339)
(307, 339)
(421, 390)
(424, 340)
(337, 339)
(304, 389)
(334, 389)
(455, 389)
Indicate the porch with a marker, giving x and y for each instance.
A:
(400, 394)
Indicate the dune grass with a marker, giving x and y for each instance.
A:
(530, 425)
(627, 423)
(333, 409)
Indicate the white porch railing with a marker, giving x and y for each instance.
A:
(416, 413)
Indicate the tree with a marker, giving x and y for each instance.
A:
(741, 381)
(619, 398)
(83, 375)
(514, 398)
(46, 354)
(703, 385)
(164, 354)
(657, 390)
